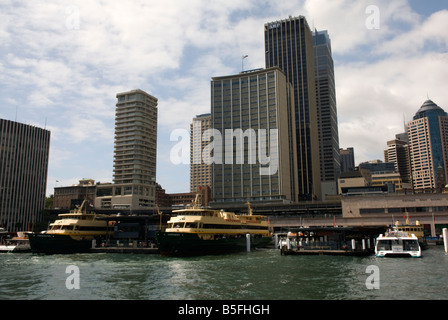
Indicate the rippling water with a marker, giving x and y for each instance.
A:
(263, 274)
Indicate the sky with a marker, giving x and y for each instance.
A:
(63, 62)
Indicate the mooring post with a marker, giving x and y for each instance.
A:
(248, 242)
(353, 244)
(445, 238)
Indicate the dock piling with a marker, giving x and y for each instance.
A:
(248, 242)
(445, 239)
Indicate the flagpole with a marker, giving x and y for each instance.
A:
(242, 62)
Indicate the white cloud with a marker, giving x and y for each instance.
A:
(66, 60)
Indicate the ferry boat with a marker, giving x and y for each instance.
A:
(396, 243)
(201, 231)
(416, 229)
(72, 233)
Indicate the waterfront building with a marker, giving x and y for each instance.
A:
(428, 143)
(24, 152)
(135, 153)
(428, 208)
(289, 46)
(68, 197)
(200, 172)
(353, 179)
(168, 201)
(327, 119)
(347, 159)
(254, 143)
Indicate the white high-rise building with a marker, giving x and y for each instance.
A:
(135, 154)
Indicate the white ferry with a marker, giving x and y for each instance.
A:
(397, 243)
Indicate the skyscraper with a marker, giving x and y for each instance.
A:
(327, 118)
(289, 45)
(254, 142)
(135, 154)
(428, 142)
(200, 172)
(398, 152)
(24, 152)
(347, 159)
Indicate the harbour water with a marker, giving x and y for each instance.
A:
(258, 275)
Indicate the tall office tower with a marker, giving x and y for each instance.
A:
(135, 154)
(289, 45)
(24, 152)
(428, 142)
(253, 118)
(397, 151)
(347, 159)
(200, 172)
(327, 117)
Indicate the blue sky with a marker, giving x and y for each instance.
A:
(62, 63)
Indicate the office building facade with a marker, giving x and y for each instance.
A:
(428, 144)
(347, 159)
(397, 151)
(200, 172)
(254, 141)
(289, 46)
(135, 154)
(327, 117)
(24, 153)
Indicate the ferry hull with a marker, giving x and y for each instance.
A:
(399, 255)
(54, 243)
(189, 244)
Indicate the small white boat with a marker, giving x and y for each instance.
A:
(397, 244)
(20, 243)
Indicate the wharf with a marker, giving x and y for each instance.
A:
(125, 250)
(329, 252)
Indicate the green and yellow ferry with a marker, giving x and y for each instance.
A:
(201, 231)
(72, 233)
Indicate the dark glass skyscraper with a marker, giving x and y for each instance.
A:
(289, 46)
(327, 118)
(24, 153)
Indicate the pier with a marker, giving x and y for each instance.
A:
(328, 241)
(125, 250)
(329, 252)
(120, 246)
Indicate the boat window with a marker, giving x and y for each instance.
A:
(191, 225)
(384, 245)
(410, 245)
